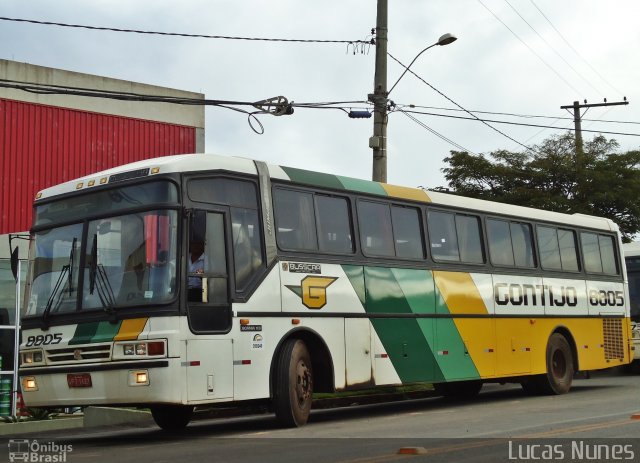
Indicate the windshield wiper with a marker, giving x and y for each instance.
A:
(66, 270)
(97, 273)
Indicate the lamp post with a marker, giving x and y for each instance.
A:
(379, 97)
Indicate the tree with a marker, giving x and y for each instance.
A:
(607, 183)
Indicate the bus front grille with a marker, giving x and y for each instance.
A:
(79, 354)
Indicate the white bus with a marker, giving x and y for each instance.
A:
(632, 259)
(191, 280)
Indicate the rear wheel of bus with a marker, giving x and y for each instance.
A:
(560, 369)
(172, 417)
(293, 384)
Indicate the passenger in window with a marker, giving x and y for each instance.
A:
(197, 266)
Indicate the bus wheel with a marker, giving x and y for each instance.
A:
(172, 417)
(459, 389)
(293, 384)
(560, 366)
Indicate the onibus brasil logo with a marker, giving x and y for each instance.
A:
(33, 451)
(313, 291)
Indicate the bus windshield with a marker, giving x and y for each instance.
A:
(122, 260)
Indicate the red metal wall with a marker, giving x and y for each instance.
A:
(43, 145)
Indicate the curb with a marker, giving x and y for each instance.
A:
(93, 417)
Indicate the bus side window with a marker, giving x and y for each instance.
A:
(443, 236)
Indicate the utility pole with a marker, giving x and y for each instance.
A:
(577, 120)
(378, 142)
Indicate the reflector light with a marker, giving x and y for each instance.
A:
(141, 377)
(155, 170)
(295, 321)
(39, 195)
(155, 348)
(103, 180)
(91, 183)
(244, 321)
(79, 185)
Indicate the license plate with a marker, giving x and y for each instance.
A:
(79, 380)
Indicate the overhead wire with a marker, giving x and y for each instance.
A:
(435, 132)
(180, 34)
(553, 48)
(526, 116)
(518, 123)
(531, 49)
(576, 51)
(459, 106)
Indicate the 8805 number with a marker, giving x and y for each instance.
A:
(43, 340)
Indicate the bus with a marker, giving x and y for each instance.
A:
(194, 280)
(632, 259)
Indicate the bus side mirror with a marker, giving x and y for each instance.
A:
(14, 263)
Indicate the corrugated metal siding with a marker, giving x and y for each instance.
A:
(43, 145)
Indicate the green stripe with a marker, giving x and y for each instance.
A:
(413, 344)
(106, 331)
(338, 182)
(94, 332)
(84, 333)
(313, 178)
(405, 340)
(363, 186)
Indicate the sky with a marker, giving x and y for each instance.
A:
(524, 57)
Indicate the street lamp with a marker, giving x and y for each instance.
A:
(445, 39)
(379, 97)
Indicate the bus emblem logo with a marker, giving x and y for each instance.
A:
(77, 354)
(313, 291)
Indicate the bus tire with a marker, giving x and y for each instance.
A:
(459, 389)
(172, 417)
(293, 384)
(560, 367)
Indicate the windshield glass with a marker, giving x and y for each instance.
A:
(129, 260)
(55, 269)
(123, 257)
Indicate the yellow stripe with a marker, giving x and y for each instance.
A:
(460, 292)
(130, 329)
(478, 334)
(404, 192)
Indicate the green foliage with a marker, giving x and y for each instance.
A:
(598, 181)
(33, 414)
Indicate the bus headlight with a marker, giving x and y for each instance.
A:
(136, 350)
(33, 357)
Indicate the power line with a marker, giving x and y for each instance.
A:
(530, 49)
(435, 132)
(459, 106)
(575, 51)
(552, 47)
(518, 123)
(526, 116)
(179, 34)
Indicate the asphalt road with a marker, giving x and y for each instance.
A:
(591, 423)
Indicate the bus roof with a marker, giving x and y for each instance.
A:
(202, 162)
(631, 249)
